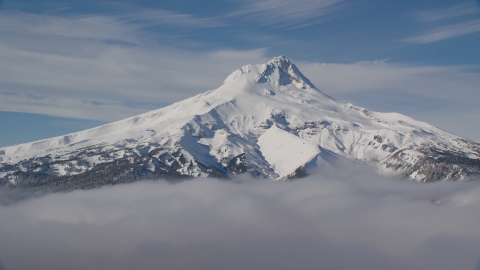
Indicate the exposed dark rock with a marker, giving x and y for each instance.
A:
(378, 138)
(299, 173)
(435, 165)
(237, 164)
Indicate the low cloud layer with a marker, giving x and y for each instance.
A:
(351, 220)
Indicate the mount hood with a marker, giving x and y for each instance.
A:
(265, 120)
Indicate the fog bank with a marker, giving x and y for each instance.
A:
(350, 220)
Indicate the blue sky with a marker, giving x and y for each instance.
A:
(68, 65)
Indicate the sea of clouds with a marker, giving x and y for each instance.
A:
(351, 219)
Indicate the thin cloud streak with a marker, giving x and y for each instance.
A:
(446, 32)
(287, 12)
(426, 81)
(132, 14)
(448, 13)
(91, 27)
(68, 107)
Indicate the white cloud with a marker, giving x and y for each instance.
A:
(152, 16)
(287, 12)
(446, 32)
(66, 61)
(447, 23)
(92, 27)
(466, 8)
(67, 107)
(346, 220)
(448, 82)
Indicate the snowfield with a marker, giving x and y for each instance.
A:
(286, 152)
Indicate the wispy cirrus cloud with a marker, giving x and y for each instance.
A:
(73, 66)
(287, 12)
(370, 76)
(446, 23)
(87, 27)
(129, 13)
(447, 13)
(446, 32)
(69, 107)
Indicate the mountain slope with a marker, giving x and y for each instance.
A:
(239, 128)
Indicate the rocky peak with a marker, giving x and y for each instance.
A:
(282, 71)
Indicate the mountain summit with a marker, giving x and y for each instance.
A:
(265, 120)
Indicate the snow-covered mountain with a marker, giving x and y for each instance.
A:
(266, 120)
